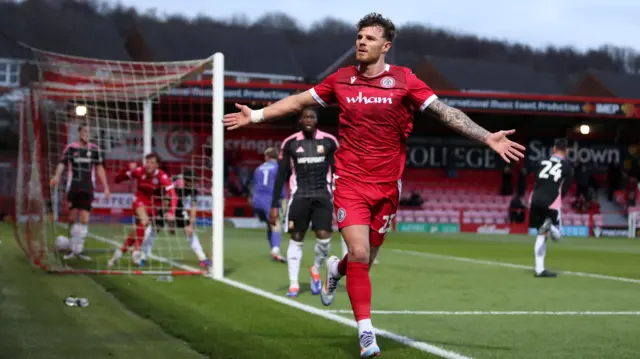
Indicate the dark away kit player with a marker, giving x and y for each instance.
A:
(553, 177)
(151, 182)
(377, 102)
(308, 156)
(83, 161)
(184, 185)
(264, 179)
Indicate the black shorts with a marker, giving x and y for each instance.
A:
(182, 219)
(80, 200)
(301, 211)
(538, 215)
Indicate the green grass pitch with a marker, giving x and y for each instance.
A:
(473, 296)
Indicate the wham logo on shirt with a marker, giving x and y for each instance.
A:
(368, 100)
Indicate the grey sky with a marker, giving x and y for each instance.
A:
(582, 24)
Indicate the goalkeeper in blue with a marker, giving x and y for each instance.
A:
(264, 178)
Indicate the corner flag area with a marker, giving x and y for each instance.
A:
(436, 296)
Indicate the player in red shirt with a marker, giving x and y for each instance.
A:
(151, 182)
(377, 103)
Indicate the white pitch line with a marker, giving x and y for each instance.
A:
(463, 313)
(515, 266)
(425, 347)
(422, 346)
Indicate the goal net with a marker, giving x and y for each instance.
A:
(84, 115)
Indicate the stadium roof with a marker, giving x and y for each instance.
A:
(66, 31)
(245, 49)
(625, 86)
(481, 75)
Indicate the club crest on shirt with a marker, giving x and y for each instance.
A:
(341, 214)
(320, 149)
(88, 153)
(387, 82)
(155, 181)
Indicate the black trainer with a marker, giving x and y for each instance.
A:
(546, 274)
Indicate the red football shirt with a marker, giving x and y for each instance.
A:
(148, 186)
(376, 117)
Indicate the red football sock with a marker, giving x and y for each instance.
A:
(359, 289)
(139, 236)
(128, 243)
(342, 265)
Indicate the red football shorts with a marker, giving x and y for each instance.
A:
(371, 204)
(145, 202)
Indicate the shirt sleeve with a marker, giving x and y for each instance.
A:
(99, 158)
(136, 173)
(165, 182)
(420, 93)
(66, 156)
(282, 174)
(324, 92)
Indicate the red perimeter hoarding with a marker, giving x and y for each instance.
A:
(476, 102)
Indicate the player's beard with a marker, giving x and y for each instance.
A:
(368, 59)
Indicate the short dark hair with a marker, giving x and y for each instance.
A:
(312, 109)
(153, 155)
(187, 174)
(82, 126)
(375, 19)
(271, 153)
(561, 144)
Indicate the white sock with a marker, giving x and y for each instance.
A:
(540, 251)
(345, 250)
(78, 234)
(294, 256)
(334, 270)
(555, 232)
(149, 239)
(322, 249)
(365, 325)
(116, 255)
(275, 250)
(197, 247)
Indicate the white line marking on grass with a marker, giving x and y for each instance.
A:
(159, 259)
(425, 347)
(463, 313)
(515, 266)
(349, 322)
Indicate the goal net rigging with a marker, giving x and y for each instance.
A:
(130, 109)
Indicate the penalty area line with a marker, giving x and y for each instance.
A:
(489, 313)
(422, 346)
(512, 265)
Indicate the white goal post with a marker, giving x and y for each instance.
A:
(217, 159)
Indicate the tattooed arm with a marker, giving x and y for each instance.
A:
(457, 120)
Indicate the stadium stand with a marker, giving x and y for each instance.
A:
(476, 201)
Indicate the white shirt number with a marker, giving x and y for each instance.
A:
(551, 169)
(388, 223)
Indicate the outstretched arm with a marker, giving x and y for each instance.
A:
(288, 105)
(284, 107)
(458, 121)
(322, 94)
(425, 99)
